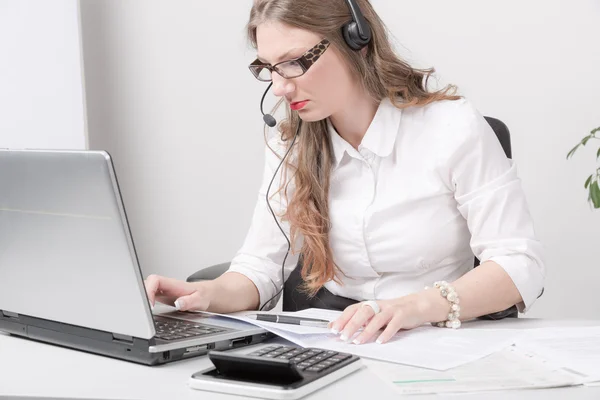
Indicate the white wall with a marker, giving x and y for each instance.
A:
(41, 84)
(169, 94)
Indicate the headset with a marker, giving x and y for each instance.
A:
(357, 35)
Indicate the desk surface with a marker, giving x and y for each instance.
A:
(32, 369)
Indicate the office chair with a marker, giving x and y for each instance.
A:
(295, 300)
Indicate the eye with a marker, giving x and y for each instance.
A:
(291, 69)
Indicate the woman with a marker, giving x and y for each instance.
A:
(388, 187)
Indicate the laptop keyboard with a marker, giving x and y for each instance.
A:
(173, 329)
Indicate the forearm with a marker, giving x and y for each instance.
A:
(483, 290)
(232, 292)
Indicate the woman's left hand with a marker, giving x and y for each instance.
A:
(406, 312)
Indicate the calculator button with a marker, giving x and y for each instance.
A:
(256, 354)
(320, 365)
(340, 357)
(285, 356)
(328, 362)
(311, 360)
(260, 352)
(314, 369)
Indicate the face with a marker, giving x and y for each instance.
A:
(327, 85)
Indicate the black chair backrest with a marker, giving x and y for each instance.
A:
(294, 299)
(502, 133)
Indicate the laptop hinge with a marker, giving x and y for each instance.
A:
(9, 314)
(122, 338)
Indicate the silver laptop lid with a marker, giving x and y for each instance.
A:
(66, 252)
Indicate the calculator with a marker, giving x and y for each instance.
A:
(274, 372)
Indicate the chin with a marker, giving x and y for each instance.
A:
(311, 115)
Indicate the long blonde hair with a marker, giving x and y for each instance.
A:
(382, 73)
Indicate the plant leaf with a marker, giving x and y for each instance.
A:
(585, 140)
(598, 154)
(587, 182)
(595, 194)
(573, 151)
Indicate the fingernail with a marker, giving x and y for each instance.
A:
(334, 331)
(356, 341)
(378, 341)
(151, 307)
(178, 304)
(344, 337)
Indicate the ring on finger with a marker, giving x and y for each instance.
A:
(373, 304)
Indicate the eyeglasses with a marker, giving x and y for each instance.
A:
(291, 68)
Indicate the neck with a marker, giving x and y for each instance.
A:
(352, 121)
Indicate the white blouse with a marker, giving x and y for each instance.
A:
(428, 188)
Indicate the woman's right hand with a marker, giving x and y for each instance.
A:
(183, 295)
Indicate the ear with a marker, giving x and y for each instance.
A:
(364, 51)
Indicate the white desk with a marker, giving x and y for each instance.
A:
(34, 369)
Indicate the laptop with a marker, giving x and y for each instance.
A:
(69, 273)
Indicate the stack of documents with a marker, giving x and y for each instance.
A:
(426, 347)
(575, 348)
(507, 369)
(543, 358)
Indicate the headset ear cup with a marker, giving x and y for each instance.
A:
(352, 36)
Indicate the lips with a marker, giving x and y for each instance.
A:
(297, 105)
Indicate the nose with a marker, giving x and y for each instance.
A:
(282, 86)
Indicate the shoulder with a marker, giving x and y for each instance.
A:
(443, 113)
(447, 123)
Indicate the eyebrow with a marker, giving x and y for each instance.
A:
(283, 56)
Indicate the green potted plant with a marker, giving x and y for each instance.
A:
(591, 183)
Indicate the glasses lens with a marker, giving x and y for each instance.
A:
(290, 69)
(260, 72)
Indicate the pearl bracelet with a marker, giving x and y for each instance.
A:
(448, 292)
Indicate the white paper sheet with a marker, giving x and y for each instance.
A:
(427, 346)
(576, 348)
(506, 369)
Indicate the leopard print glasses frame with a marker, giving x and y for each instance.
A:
(290, 68)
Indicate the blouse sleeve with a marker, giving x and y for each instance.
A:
(491, 199)
(261, 256)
